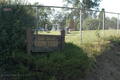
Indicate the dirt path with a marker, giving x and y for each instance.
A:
(107, 66)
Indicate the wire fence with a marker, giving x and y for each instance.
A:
(83, 24)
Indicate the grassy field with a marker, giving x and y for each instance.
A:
(87, 36)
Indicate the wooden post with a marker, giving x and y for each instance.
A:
(63, 38)
(29, 41)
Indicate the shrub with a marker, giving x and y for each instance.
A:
(13, 25)
(61, 65)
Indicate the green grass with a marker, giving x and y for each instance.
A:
(91, 44)
(87, 36)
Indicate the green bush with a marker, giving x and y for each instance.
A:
(13, 25)
(61, 65)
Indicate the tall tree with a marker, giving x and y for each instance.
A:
(43, 13)
(86, 4)
(90, 24)
(77, 24)
(68, 22)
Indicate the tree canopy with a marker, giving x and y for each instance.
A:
(86, 4)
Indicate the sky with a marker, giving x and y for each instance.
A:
(108, 5)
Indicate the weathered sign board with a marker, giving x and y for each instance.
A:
(46, 43)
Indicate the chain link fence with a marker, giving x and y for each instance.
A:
(80, 24)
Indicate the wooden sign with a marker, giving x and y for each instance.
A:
(46, 43)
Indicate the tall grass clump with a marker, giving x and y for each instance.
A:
(113, 38)
(97, 47)
(97, 33)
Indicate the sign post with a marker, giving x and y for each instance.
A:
(28, 41)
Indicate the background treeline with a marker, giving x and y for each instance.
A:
(91, 20)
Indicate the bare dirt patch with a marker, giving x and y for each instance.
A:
(107, 66)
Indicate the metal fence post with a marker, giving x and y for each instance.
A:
(36, 19)
(103, 22)
(118, 25)
(80, 29)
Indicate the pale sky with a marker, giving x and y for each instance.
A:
(109, 5)
(48, 2)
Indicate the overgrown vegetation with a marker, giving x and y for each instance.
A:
(74, 62)
(69, 64)
(13, 25)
